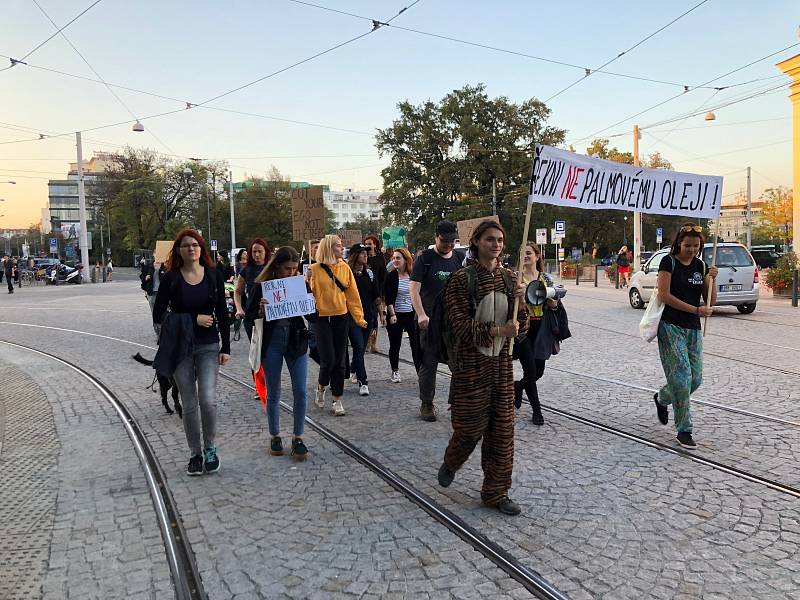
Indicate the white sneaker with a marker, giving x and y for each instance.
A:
(396, 377)
(353, 378)
(338, 408)
(320, 399)
(363, 390)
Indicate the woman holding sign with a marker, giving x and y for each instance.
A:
(283, 339)
(682, 279)
(336, 295)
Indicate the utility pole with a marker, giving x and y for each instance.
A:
(233, 218)
(637, 216)
(749, 212)
(494, 197)
(83, 236)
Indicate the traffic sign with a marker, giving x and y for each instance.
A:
(54, 245)
(541, 236)
(556, 237)
(561, 254)
(213, 245)
(561, 227)
(659, 235)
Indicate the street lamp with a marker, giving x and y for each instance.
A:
(625, 231)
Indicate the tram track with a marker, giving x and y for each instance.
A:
(180, 557)
(528, 578)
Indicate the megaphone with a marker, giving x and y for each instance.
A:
(537, 292)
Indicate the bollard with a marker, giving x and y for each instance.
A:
(577, 274)
(596, 269)
(616, 281)
(795, 277)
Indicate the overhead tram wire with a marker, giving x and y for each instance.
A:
(100, 77)
(14, 61)
(692, 88)
(624, 52)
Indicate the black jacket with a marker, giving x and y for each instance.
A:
(170, 296)
(175, 343)
(553, 330)
(298, 332)
(377, 264)
(390, 287)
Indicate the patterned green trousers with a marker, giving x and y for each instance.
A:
(681, 352)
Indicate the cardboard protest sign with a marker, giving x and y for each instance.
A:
(308, 213)
(567, 179)
(286, 298)
(394, 237)
(350, 237)
(465, 228)
(162, 250)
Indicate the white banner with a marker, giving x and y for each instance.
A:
(286, 298)
(569, 179)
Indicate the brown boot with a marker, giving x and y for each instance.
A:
(372, 341)
(427, 412)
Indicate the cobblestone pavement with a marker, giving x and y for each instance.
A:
(603, 517)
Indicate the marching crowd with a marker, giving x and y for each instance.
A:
(467, 311)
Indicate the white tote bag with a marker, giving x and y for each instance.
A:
(255, 345)
(648, 326)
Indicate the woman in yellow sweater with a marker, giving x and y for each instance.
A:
(336, 295)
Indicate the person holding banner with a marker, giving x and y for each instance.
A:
(479, 302)
(336, 295)
(682, 279)
(193, 291)
(532, 367)
(400, 312)
(282, 340)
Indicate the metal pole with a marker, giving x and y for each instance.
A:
(233, 218)
(494, 199)
(795, 277)
(749, 213)
(84, 239)
(208, 211)
(637, 216)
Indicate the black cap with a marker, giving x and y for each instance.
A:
(356, 248)
(447, 230)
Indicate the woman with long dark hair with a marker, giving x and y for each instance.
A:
(370, 295)
(257, 256)
(532, 368)
(377, 264)
(682, 280)
(623, 267)
(192, 289)
(336, 296)
(283, 340)
(399, 310)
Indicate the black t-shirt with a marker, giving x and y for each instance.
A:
(195, 298)
(686, 285)
(432, 271)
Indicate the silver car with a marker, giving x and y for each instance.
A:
(737, 282)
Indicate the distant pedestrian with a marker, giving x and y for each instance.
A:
(241, 261)
(682, 280)
(400, 311)
(224, 266)
(377, 264)
(480, 301)
(370, 296)
(283, 340)
(109, 270)
(623, 267)
(150, 276)
(8, 270)
(336, 296)
(195, 296)
(429, 276)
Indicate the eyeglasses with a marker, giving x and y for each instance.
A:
(190, 246)
(695, 228)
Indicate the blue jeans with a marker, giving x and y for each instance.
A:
(358, 340)
(272, 361)
(196, 378)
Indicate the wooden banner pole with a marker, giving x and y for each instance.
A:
(711, 284)
(519, 265)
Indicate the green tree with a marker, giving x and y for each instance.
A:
(777, 213)
(446, 156)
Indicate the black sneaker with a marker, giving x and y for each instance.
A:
(427, 412)
(299, 450)
(276, 446)
(518, 394)
(195, 465)
(685, 439)
(211, 460)
(445, 476)
(508, 507)
(537, 417)
(663, 414)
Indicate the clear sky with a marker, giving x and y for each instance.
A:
(193, 51)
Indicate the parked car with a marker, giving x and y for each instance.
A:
(737, 282)
(765, 259)
(645, 256)
(43, 263)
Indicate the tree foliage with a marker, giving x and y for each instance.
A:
(776, 216)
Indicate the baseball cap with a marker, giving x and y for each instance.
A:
(356, 248)
(447, 230)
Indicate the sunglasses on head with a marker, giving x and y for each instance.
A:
(695, 228)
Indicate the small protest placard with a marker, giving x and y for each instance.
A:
(350, 237)
(567, 179)
(465, 228)
(161, 252)
(286, 298)
(308, 213)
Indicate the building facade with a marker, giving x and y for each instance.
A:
(62, 212)
(349, 205)
(733, 217)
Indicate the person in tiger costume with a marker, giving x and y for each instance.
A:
(479, 301)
